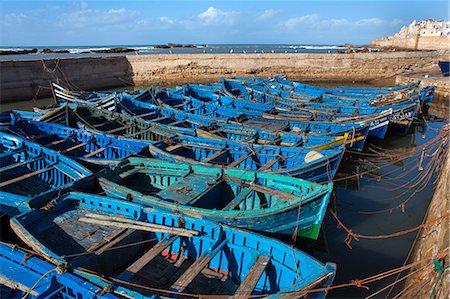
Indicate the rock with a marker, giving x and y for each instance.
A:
(114, 50)
(15, 52)
(47, 50)
(162, 46)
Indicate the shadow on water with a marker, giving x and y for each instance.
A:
(374, 193)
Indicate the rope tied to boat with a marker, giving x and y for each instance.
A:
(356, 236)
(440, 269)
(358, 283)
(62, 268)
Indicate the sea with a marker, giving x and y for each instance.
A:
(87, 51)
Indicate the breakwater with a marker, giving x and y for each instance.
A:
(25, 80)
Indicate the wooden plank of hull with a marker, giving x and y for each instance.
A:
(56, 142)
(12, 166)
(189, 275)
(214, 156)
(251, 279)
(95, 152)
(26, 176)
(173, 148)
(239, 160)
(269, 164)
(238, 199)
(150, 255)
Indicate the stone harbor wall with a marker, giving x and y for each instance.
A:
(434, 239)
(29, 79)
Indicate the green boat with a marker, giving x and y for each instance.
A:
(258, 201)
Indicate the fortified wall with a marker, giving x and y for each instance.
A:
(423, 35)
(25, 80)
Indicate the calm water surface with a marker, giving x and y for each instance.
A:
(367, 257)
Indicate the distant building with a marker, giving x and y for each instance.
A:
(424, 35)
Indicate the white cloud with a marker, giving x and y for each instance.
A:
(166, 20)
(302, 20)
(315, 21)
(267, 14)
(13, 19)
(92, 17)
(215, 16)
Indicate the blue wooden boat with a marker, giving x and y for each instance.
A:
(81, 145)
(164, 254)
(403, 113)
(313, 163)
(24, 275)
(254, 200)
(372, 94)
(30, 173)
(360, 125)
(131, 124)
(355, 133)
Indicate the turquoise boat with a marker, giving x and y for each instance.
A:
(253, 200)
(159, 254)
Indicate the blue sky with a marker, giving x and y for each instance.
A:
(71, 23)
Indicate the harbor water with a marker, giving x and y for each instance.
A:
(365, 191)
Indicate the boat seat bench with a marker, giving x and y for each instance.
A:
(189, 189)
(149, 256)
(188, 276)
(238, 199)
(247, 286)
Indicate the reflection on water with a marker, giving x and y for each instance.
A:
(375, 192)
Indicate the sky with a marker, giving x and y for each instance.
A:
(77, 23)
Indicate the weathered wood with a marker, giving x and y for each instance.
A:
(80, 145)
(172, 148)
(110, 243)
(12, 166)
(56, 142)
(161, 118)
(214, 156)
(148, 114)
(239, 160)
(251, 279)
(16, 286)
(269, 164)
(117, 130)
(263, 189)
(151, 254)
(104, 124)
(98, 151)
(203, 133)
(25, 176)
(140, 224)
(188, 276)
(238, 199)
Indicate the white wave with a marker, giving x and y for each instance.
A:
(14, 49)
(310, 47)
(80, 50)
